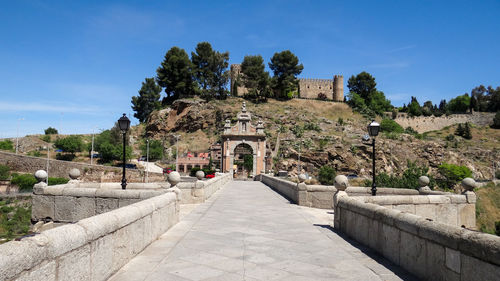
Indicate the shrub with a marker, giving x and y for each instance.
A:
(46, 138)
(311, 126)
(25, 182)
(326, 175)
(65, 156)
(340, 121)
(51, 131)
(409, 178)
(56, 181)
(497, 228)
(390, 126)
(193, 171)
(450, 137)
(321, 96)
(6, 145)
(497, 174)
(453, 173)
(4, 172)
(35, 153)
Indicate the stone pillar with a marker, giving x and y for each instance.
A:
(302, 192)
(341, 184)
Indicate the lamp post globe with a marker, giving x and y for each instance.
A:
(124, 125)
(373, 130)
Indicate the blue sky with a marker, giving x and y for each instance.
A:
(74, 65)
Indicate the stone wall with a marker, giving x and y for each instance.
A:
(311, 88)
(58, 168)
(321, 196)
(93, 248)
(66, 204)
(430, 123)
(200, 190)
(429, 249)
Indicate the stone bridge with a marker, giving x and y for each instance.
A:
(269, 229)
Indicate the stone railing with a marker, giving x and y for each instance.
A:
(429, 249)
(92, 248)
(321, 196)
(200, 190)
(107, 227)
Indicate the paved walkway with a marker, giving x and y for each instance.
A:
(246, 231)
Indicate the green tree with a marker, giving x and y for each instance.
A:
(109, 144)
(155, 150)
(255, 78)
(414, 108)
(210, 71)
(379, 104)
(69, 144)
(51, 131)
(481, 99)
(148, 99)
(496, 121)
(285, 66)
(459, 104)
(362, 84)
(326, 175)
(494, 99)
(467, 133)
(175, 74)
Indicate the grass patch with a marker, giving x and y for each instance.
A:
(488, 207)
(15, 219)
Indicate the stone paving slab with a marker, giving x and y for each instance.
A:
(246, 231)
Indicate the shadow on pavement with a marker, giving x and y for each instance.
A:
(397, 270)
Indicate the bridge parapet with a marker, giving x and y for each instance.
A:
(92, 248)
(108, 227)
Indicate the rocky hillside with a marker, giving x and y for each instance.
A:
(328, 133)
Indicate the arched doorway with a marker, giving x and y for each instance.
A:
(243, 163)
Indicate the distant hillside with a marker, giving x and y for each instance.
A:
(330, 134)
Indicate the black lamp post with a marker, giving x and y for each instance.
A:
(124, 124)
(373, 129)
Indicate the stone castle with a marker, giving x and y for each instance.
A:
(330, 89)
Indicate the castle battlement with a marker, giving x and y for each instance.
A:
(310, 88)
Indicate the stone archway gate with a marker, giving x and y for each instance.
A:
(244, 132)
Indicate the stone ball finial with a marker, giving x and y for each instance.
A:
(302, 178)
(40, 175)
(423, 181)
(200, 175)
(173, 178)
(341, 182)
(74, 174)
(469, 184)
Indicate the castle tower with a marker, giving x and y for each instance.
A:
(234, 74)
(338, 88)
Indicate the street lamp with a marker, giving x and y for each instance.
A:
(124, 125)
(373, 129)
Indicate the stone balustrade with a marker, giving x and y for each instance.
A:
(108, 226)
(432, 249)
(92, 248)
(200, 190)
